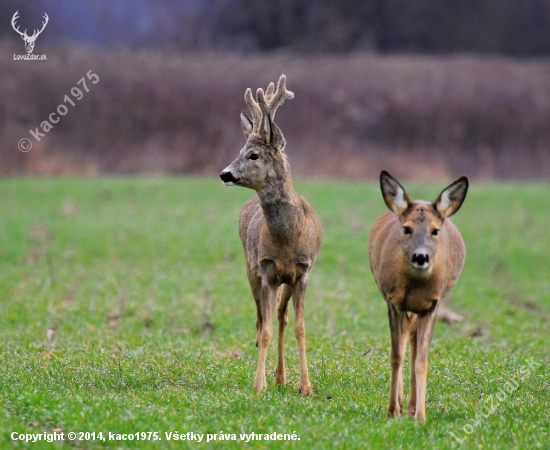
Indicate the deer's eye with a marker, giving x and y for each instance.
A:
(435, 232)
(254, 156)
(407, 230)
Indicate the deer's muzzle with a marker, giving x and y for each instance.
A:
(228, 178)
(421, 259)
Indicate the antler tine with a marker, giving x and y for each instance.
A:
(262, 102)
(281, 94)
(269, 92)
(14, 18)
(254, 109)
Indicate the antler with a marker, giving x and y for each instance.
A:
(37, 33)
(274, 100)
(13, 20)
(267, 104)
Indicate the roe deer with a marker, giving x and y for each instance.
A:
(416, 256)
(280, 231)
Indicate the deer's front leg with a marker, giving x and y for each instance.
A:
(267, 304)
(282, 315)
(399, 330)
(411, 407)
(256, 288)
(424, 333)
(299, 296)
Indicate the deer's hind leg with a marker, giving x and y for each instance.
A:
(282, 315)
(298, 298)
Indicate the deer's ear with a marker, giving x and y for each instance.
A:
(397, 200)
(451, 198)
(277, 139)
(246, 125)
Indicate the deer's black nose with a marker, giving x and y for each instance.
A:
(227, 177)
(420, 258)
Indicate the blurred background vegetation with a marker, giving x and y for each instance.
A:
(425, 89)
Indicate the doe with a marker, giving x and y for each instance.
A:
(416, 255)
(279, 230)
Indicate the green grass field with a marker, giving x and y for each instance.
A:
(125, 308)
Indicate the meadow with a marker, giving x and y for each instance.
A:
(125, 308)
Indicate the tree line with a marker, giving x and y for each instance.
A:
(506, 27)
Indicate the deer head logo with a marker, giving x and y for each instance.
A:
(29, 40)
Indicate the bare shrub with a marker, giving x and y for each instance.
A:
(160, 113)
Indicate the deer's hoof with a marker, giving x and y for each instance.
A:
(420, 416)
(259, 386)
(280, 378)
(393, 411)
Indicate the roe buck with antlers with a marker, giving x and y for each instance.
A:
(416, 255)
(280, 231)
(29, 40)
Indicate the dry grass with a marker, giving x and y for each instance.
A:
(352, 115)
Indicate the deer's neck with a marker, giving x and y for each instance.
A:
(282, 208)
